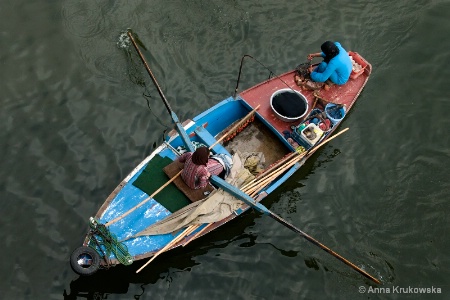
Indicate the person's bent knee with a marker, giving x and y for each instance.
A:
(321, 67)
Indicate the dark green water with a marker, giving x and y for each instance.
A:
(74, 123)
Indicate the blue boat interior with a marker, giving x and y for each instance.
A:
(206, 126)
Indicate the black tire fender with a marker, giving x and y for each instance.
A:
(85, 261)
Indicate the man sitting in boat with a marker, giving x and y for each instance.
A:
(199, 166)
(335, 67)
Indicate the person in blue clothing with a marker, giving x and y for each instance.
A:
(335, 67)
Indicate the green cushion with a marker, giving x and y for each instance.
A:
(153, 177)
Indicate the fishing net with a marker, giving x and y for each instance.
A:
(302, 69)
(303, 78)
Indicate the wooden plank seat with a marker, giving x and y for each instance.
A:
(173, 169)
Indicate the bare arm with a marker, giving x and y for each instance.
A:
(312, 55)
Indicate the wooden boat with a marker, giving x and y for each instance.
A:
(248, 121)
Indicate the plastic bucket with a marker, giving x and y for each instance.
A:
(288, 105)
(334, 114)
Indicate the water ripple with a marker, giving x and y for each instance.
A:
(83, 22)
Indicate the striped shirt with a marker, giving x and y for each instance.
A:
(195, 176)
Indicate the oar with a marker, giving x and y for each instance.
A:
(143, 202)
(235, 191)
(180, 129)
(186, 232)
(323, 247)
(258, 206)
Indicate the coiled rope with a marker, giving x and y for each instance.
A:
(108, 243)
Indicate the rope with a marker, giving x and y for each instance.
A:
(108, 243)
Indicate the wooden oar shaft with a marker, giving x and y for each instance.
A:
(244, 119)
(186, 232)
(277, 164)
(166, 103)
(292, 159)
(323, 247)
(280, 170)
(198, 234)
(273, 171)
(181, 131)
(262, 184)
(327, 140)
(143, 202)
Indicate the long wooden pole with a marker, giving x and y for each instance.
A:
(235, 127)
(274, 166)
(143, 202)
(306, 236)
(198, 233)
(185, 233)
(257, 180)
(295, 229)
(323, 247)
(180, 129)
(292, 159)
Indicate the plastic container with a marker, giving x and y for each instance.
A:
(324, 123)
(295, 99)
(335, 115)
(315, 111)
(358, 61)
(310, 135)
(296, 135)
